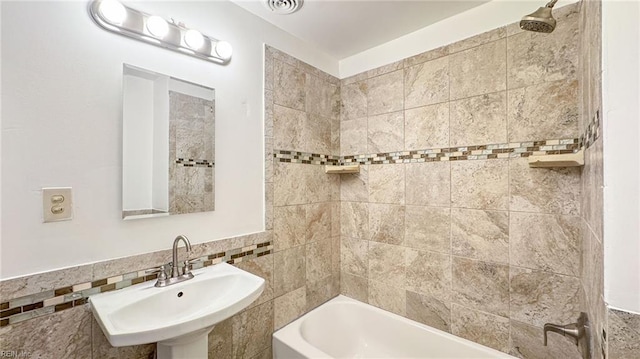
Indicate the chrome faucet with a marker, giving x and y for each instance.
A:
(578, 333)
(175, 270)
(176, 275)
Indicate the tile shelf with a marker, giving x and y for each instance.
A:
(563, 160)
(342, 169)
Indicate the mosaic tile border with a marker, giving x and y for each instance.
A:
(40, 304)
(306, 158)
(463, 153)
(189, 162)
(592, 132)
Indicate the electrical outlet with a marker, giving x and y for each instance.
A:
(57, 204)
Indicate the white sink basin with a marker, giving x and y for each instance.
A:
(176, 314)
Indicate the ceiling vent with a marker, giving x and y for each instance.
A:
(284, 7)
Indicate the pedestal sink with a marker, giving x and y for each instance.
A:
(178, 317)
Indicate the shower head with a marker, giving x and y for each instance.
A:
(541, 20)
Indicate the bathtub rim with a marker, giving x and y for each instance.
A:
(294, 340)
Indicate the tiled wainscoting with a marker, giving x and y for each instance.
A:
(58, 299)
(56, 323)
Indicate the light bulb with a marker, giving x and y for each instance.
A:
(157, 26)
(194, 39)
(223, 50)
(113, 11)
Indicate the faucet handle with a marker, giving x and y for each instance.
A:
(571, 331)
(162, 274)
(186, 269)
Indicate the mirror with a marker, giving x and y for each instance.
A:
(168, 144)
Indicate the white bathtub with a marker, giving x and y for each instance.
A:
(346, 328)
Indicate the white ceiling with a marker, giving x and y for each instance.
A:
(342, 28)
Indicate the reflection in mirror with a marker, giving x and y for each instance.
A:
(168, 145)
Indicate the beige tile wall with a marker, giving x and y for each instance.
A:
(488, 250)
(302, 114)
(619, 333)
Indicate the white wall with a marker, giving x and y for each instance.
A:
(469, 23)
(137, 142)
(61, 126)
(621, 116)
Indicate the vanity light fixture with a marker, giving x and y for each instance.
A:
(113, 16)
(157, 26)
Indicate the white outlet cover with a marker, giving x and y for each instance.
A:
(61, 211)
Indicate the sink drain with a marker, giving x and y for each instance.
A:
(180, 294)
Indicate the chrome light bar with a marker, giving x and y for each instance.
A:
(113, 16)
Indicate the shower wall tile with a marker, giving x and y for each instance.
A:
(428, 228)
(477, 40)
(289, 86)
(354, 287)
(353, 136)
(289, 270)
(386, 184)
(428, 273)
(479, 70)
(354, 186)
(318, 221)
(527, 343)
(388, 297)
(387, 263)
(426, 127)
(289, 307)
(385, 133)
(322, 290)
(321, 96)
(481, 235)
(384, 69)
(428, 310)
(386, 223)
(353, 100)
(318, 260)
(428, 183)
(547, 110)
(298, 130)
(317, 184)
(480, 184)
(478, 120)
(354, 220)
(547, 242)
(481, 285)
(317, 134)
(289, 184)
(354, 257)
(427, 56)
(385, 93)
(263, 268)
(533, 58)
(426, 83)
(548, 190)
(539, 297)
(289, 227)
(483, 328)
